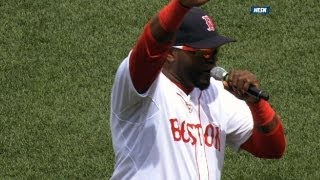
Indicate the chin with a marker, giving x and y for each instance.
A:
(202, 82)
(203, 86)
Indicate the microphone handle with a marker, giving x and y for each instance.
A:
(258, 93)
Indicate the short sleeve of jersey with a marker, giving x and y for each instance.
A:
(240, 123)
(125, 99)
(123, 92)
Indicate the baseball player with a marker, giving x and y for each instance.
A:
(169, 119)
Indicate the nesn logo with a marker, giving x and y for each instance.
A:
(260, 10)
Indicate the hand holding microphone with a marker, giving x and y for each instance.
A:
(243, 84)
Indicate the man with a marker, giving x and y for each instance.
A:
(170, 119)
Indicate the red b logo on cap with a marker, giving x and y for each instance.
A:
(209, 23)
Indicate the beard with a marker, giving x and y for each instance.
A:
(201, 81)
(202, 86)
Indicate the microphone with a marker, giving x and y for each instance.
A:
(221, 74)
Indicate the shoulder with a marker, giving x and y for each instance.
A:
(124, 65)
(216, 92)
(215, 89)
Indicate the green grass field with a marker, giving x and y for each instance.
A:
(58, 60)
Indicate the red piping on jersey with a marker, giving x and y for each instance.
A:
(199, 114)
(183, 88)
(199, 109)
(195, 154)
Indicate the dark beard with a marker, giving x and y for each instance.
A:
(201, 85)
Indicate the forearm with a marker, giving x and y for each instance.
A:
(149, 53)
(267, 139)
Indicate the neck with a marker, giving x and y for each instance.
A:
(177, 81)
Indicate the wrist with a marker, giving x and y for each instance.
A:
(184, 5)
(269, 127)
(171, 16)
(262, 112)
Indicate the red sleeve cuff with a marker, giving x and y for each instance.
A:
(262, 112)
(171, 16)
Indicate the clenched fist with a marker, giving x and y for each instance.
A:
(239, 82)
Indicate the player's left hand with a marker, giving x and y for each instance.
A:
(239, 82)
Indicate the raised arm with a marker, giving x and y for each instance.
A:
(150, 51)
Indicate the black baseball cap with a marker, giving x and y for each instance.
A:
(198, 30)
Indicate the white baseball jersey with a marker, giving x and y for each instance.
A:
(165, 134)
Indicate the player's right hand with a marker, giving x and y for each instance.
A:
(239, 82)
(193, 3)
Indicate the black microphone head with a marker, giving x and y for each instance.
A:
(218, 73)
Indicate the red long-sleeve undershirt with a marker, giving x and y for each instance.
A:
(146, 60)
(265, 144)
(148, 57)
(269, 145)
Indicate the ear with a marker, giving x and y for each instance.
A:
(171, 56)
